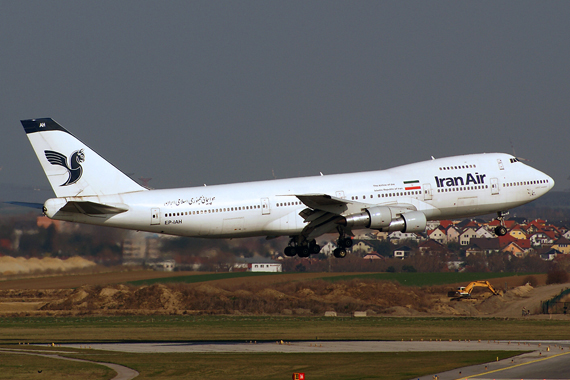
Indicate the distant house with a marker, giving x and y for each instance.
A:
(162, 265)
(374, 256)
(483, 246)
(438, 235)
(467, 235)
(328, 248)
(514, 249)
(483, 232)
(517, 232)
(398, 237)
(445, 224)
(549, 254)
(258, 264)
(430, 247)
(540, 239)
(402, 252)
(452, 234)
(563, 245)
(525, 245)
(362, 247)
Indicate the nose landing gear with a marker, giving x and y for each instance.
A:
(501, 230)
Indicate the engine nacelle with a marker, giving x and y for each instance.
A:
(373, 217)
(413, 221)
(381, 218)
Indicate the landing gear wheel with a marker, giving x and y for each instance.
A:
(314, 248)
(303, 251)
(500, 230)
(344, 242)
(339, 253)
(290, 251)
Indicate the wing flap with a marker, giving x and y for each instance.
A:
(324, 202)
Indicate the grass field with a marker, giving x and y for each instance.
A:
(406, 279)
(224, 328)
(425, 279)
(22, 366)
(200, 278)
(330, 366)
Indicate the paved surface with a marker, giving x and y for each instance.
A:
(123, 373)
(548, 359)
(315, 346)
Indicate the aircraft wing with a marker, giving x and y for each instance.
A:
(324, 202)
(39, 206)
(325, 212)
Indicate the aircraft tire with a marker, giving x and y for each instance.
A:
(303, 251)
(500, 230)
(289, 251)
(339, 253)
(348, 242)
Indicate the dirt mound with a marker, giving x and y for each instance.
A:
(309, 297)
(20, 265)
(520, 291)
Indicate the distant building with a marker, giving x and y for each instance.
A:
(563, 245)
(162, 265)
(140, 247)
(402, 252)
(362, 247)
(258, 264)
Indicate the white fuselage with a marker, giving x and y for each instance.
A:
(445, 188)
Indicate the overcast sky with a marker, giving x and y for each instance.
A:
(194, 92)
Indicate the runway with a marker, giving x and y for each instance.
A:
(548, 359)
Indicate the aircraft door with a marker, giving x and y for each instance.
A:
(265, 209)
(340, 194)
(427, 192)
(494, 186)
(500, 163)
(155, 216)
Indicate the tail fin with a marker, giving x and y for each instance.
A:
(72, 168)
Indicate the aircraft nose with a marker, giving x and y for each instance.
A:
(551, 182)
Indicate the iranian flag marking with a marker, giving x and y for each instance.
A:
(412, 185)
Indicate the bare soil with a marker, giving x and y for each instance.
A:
(300, 294)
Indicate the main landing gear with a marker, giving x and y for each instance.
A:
(343, 243)
(501, 230)
(303, 248)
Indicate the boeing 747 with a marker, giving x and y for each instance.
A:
(90, 190)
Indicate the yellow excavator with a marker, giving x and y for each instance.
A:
(465, 291)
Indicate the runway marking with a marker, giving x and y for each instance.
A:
(513, 366)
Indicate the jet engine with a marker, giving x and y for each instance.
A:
(382, 219)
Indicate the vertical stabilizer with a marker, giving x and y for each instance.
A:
(72, 168)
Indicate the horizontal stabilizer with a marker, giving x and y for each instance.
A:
(91, 208)
(39, 206)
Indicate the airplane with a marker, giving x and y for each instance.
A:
(90, 190)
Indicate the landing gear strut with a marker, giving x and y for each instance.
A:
(501, 230)
(342, 243)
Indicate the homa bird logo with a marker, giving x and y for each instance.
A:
(74, 168)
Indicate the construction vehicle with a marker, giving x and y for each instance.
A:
(465, 291)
